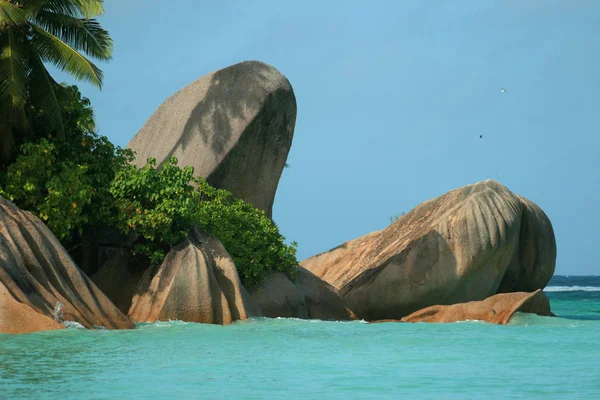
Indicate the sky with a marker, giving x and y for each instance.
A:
(392, 98)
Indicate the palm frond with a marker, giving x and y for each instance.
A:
(44, 97)
(53, 50)
(76, 8)
(13, 70)
(10, 14)
(7, 139)
(82, 34)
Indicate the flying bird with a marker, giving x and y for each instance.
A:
(480, 136)
(502, 90)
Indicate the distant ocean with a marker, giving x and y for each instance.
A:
(532, 357)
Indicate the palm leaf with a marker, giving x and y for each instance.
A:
(76, 8)
(52, 49)
(10, 14)
(82, 34)
(13, 70)
(44, 97)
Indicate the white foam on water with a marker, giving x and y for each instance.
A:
(73, 325)
(572, 289)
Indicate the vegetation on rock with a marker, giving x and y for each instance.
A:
(76, 180)
(66, 183)
(163, 204)
(85, 181)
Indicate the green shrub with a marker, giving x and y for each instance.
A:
(158, 204)
(66, 183)
(85, 181)
(247, 233)
(162, 205)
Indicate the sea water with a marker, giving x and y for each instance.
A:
(532, 357)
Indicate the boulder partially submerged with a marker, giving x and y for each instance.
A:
(497, 309)
(307, 298)
(234, 126)
(36, 271)
(197, 282)
(465, 245)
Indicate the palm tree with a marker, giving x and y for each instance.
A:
(36, 32)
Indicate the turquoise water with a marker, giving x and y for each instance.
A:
(275, 358)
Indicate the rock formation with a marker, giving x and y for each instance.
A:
(308, 298)
(118, 278)
(17, 317)
(36, 271)
(497, 309)
(234, 126)
(197, 282)
(465, 245)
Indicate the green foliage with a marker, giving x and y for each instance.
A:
(66, 183)
(247, 233)
(158, 204)
(85, 181)
(162, 205)
(36, 33)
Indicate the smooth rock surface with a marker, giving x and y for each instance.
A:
(453, 249)
(17, 317)
(307, 298)
(197, 282)
(38, 272)
(277, 296)
(234, 126)
(497, 309)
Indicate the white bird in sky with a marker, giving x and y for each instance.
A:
(502, 90)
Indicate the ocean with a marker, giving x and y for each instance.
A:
(532, 357)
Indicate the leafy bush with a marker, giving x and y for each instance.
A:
(85, 181)
(66, 183)
(162, 205)
(159, 205)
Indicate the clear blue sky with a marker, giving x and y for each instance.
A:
(392, 97)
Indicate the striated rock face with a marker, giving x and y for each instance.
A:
(197, 282)
(465, 245)
(234, 126)
(497, 309)
(17, 317)
(37, 272)
(308, 298)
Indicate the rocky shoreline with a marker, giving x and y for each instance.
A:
(476, 252)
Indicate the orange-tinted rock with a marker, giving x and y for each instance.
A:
(38, 272)
(197, 282)
(17, 317)
(497, 309)
(465, 245)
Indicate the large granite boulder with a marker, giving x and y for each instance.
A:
(234, 126)
(197, 282)
(465, 245)
(497, 309)
(307, 298)
(36, 271)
